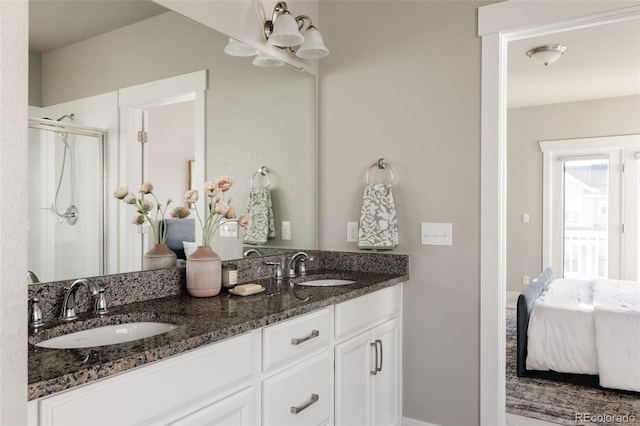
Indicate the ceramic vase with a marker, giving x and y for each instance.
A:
(160, 256)
(204, 272)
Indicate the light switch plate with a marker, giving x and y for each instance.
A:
(436, 234)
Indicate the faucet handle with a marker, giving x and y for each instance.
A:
(302, 269)
(35, 313)
(100, 306)
(278, 269)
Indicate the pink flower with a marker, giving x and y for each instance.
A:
(145, 207)
(130, 199)
(211, 189)
(191, 196)
(231, 213)
(180, 212)
(243, 221)
(221, 208)
(224, 183)
(147, 188)
(121, 192)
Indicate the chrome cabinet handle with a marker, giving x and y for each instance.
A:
(310, 402)
(379, 342)
(375, 366)
(298, 340)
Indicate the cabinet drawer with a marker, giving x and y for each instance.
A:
(157, 391)
(362, 313)
(295, 338)
(304, 388)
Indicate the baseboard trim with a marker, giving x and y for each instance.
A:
(413, 422)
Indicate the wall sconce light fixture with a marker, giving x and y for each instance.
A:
(546, 54)
(237, 48)
(265, 61)
(285, 31)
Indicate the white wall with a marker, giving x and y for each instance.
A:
(526, 127)
(13, 211)
(403, 82)
(170, 147)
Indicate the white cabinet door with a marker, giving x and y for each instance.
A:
(236, 410)
(386, 381)
(353, 363)
(367, 383)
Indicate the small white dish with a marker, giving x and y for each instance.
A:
(246, 293)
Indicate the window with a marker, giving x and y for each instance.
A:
(591, 214)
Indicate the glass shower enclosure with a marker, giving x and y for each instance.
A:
(66, 196)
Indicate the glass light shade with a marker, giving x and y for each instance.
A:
(265, 61)
(285, 32)
(546, 57)
(237, 48)
(313, 46)
(548, 54)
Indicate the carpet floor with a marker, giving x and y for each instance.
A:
(561, 403)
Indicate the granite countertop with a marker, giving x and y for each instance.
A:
(200, 321)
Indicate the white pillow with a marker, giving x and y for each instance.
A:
(189, 247)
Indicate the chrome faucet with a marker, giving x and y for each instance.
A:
(68, 312)
(32, 277)
(251, 251)
(296, 264)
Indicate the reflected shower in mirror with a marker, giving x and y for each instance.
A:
(66, 209)
(254, 117)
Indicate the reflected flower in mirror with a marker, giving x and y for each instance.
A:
(220, 209)
(149, 212)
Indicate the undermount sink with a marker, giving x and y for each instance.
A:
(107, 335)
(325, 283)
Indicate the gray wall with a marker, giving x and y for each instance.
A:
(403, 82)
(525, 128)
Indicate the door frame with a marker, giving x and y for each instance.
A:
(131, 101)
(498, 24)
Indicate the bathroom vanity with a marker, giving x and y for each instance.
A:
(292, 355)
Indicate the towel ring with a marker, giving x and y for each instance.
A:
(381, 164)
(262, 171)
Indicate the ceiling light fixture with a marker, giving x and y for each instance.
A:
(285, 31)
(546, 54)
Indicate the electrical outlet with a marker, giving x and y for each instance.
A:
(352, 232)
(286, 230)
(525, 280)
(229, 230)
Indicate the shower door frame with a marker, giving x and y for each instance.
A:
(101, 136)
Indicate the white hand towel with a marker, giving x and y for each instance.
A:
(261, 222)
(378, 222)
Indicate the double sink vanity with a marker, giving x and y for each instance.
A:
(324, 353)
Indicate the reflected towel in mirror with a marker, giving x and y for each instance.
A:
(261, 222)
(378, 228)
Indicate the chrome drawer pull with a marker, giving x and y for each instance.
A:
(297, 341)
(375, 364)
(313, 400)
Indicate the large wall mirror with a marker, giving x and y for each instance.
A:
(259, 129)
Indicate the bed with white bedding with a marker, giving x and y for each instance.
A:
(580, 331)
